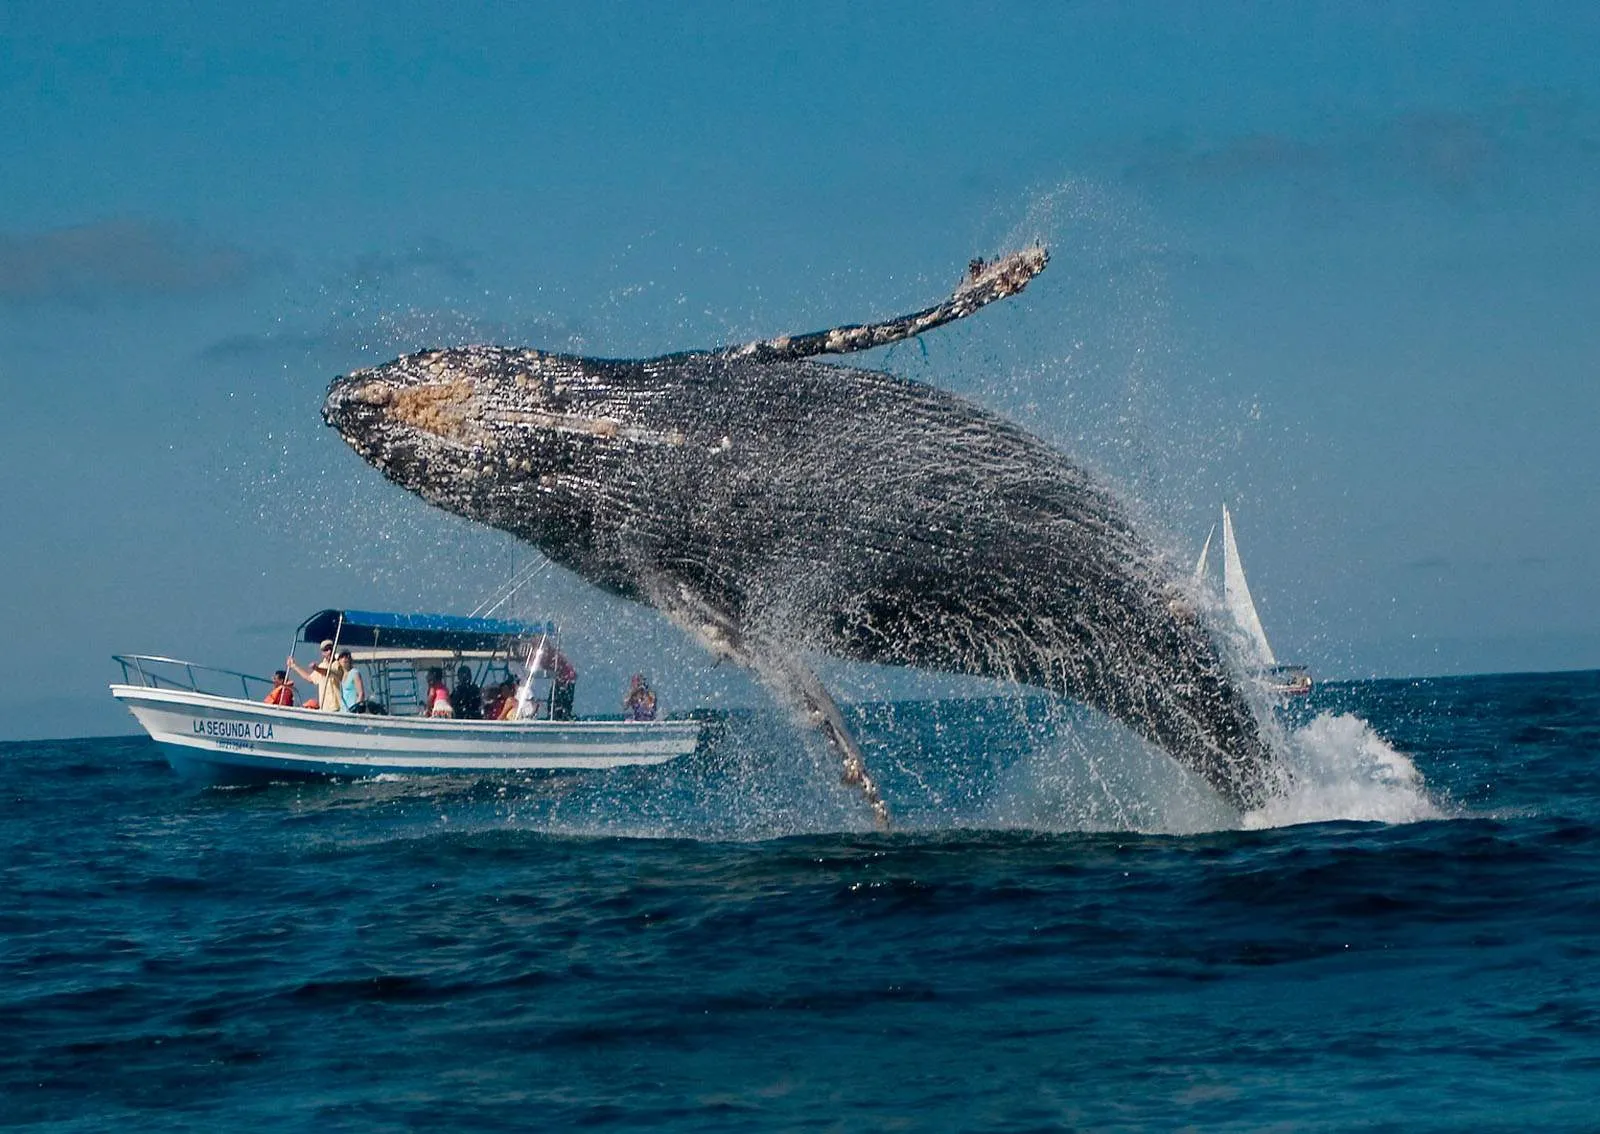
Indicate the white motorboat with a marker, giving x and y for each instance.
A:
(1277, 678)
(223, 736)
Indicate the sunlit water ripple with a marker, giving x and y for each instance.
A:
(1062, 931)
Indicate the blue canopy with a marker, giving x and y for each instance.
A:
(370, 628)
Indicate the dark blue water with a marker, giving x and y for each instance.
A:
(1058, 936)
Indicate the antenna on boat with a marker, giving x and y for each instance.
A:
(491, 604)
(294, 640)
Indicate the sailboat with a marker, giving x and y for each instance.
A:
(1278, 678)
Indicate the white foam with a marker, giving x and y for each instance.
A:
(1094, 775)
(1086, 772)
(1342, 769)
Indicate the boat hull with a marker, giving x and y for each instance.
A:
(223, 739)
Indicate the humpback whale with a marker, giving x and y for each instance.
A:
(775, 506)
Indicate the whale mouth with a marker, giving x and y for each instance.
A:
(351, 399)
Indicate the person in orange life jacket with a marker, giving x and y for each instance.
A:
(282, 690)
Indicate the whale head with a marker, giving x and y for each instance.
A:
(536, 444)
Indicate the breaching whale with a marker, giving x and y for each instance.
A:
(774, 506)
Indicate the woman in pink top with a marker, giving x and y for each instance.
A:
(437, 701)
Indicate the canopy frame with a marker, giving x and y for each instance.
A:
(370, 629)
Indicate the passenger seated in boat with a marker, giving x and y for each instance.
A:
(327, 675)
(467, 699)
(494, 705)
(640, 703)
(282, 690)
(436, 703)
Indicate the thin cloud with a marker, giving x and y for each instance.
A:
(342, 339)
(1247, 156)
(432, 257)
(1441, 563)
(118, 260)
(381, 328)
(1448, 151)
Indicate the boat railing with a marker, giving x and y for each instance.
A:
(155, 672)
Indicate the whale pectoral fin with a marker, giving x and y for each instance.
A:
(984, 282)
(792, 682)
(800, 685)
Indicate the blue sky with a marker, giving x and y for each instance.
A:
(1338, 264)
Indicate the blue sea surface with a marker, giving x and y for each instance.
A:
(1061, 932)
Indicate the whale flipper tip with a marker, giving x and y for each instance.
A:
(984, 282)
(1004, 275)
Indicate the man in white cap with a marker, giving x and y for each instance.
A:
(325, 674)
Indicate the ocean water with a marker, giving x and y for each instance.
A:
(1062, 932)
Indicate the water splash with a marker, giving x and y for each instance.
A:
(1081, 772)
(1342, 769)
(962, 764)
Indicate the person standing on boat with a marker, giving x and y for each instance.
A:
(353, 687)
(565, 688)
(640, 703)
(282, 690)
(327, 675)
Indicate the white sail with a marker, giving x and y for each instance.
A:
(1236, 594)
(1200, 564)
